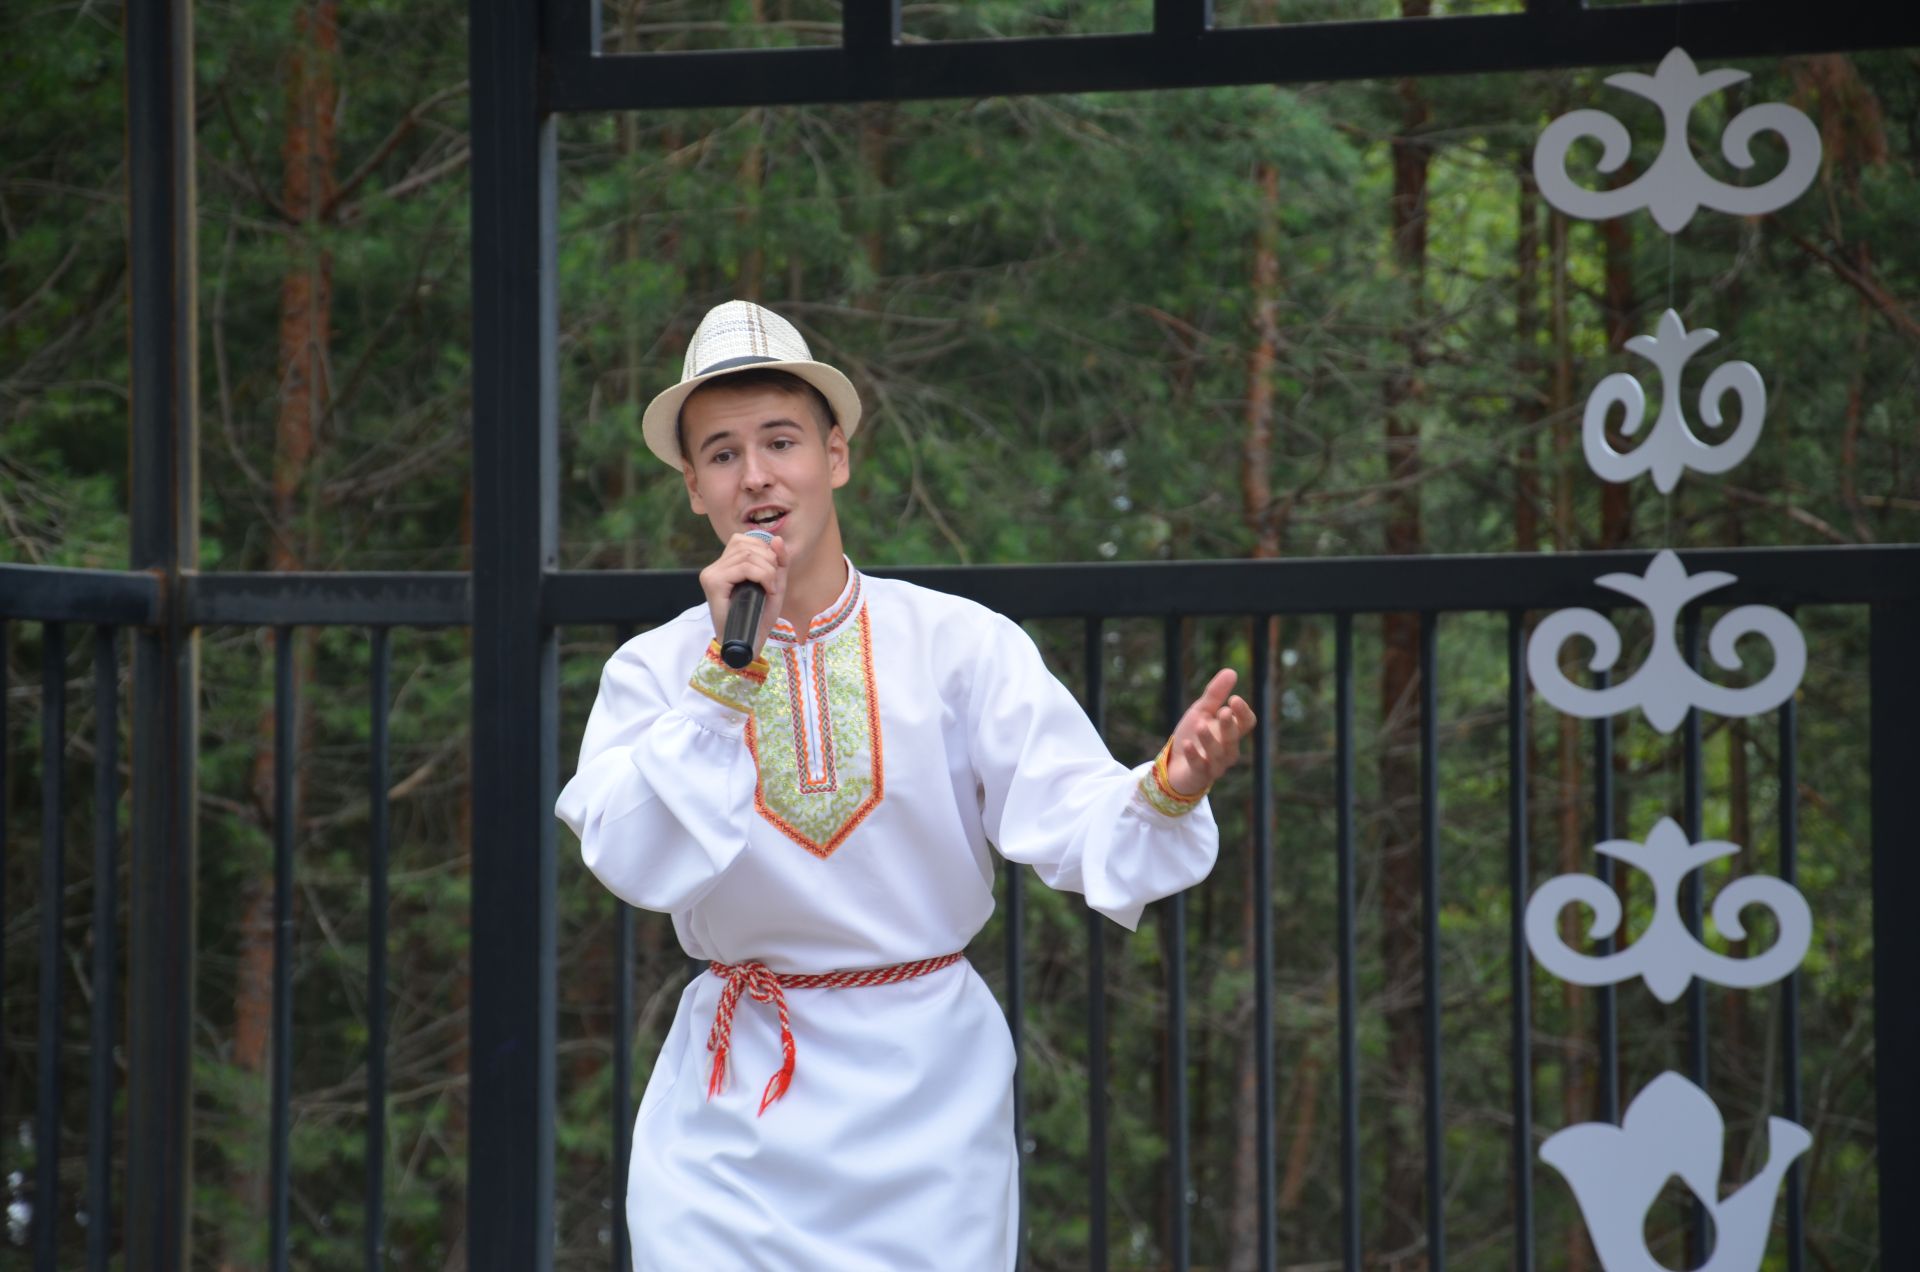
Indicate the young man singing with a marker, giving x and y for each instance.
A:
(836, 1095)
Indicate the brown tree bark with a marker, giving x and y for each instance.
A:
(1577, 1083)
(876, 141)
(1529, 400)
(1853, 138)
(1616, 507)
(1404, 1188)
(309, 171)
(1264, 521)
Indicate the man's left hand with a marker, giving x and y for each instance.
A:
(1206, 742)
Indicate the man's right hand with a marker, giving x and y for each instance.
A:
(746, 558)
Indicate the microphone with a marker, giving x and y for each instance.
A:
(744, 607)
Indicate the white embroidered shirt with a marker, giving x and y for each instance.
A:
(831, 807)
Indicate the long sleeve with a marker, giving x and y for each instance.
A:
(1053, 797)
(664, 789)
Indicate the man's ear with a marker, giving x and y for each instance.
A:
(694, 500)
(839, 457)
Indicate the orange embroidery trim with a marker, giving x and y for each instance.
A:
(755, 671)
(825, 623)
(825, 850)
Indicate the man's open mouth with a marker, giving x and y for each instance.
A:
(766, 517)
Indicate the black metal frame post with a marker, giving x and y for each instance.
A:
(164, 377)
(515, 656)
(1894, 748)
(1184, 50)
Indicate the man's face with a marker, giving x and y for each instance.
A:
(756, 459)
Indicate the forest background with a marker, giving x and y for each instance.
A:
(1321, 320)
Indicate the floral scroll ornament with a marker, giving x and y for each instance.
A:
(1672, 1128)
(1671, 447)
(1674, 187)
(1667, 956)
(1664, 687)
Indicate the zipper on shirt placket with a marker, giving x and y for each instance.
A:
(814, 771)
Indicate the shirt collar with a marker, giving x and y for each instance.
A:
(827, 621)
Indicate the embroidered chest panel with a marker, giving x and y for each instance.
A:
(815, 735)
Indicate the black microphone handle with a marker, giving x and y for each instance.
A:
(743, 620)
(744, 606)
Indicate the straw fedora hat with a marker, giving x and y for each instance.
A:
(742, 336)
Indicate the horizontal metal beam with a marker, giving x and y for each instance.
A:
(55, 594)
(332, 599)
(1550, 36)
(1836, 575)
(1318, 585)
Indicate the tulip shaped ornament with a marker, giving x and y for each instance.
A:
(1667, 956)
(1671, 447)
(1665, 687)
(1675, 186)
(1672, 1128)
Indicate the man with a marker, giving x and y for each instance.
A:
(817, 823)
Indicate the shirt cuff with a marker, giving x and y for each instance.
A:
(1157, 789)
(720, 697)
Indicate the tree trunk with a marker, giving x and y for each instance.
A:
(1263, 520)
(1528, 401)
(1577, 1085)
(309, 171)
(1405, 1183)
(876, 137)
(1616, 508)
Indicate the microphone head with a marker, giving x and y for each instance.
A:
(761, 535)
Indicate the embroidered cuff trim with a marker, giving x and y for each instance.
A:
(726, 686)
(1157, 789)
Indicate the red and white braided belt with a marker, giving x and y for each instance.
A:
(759, 983)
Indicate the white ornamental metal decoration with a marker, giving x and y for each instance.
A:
(1671, 1128)
(1674, 187)
(1664, 687)
(1667, 956)
(1671, 447)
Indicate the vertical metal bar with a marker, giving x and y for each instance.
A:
(1262, 694)
(1173, 933)
(1608, 1001)
(1349, 980)
(1096, 704)
(620, 1256)
(571, 26)
(869, 28)
(163, 379)
(1016, 922)
(510, 1139)
(102, 1035)
(1521, 970)
(53, 960)
(1430, 938)
(1182, 20)
(6, 646)
(1692, 904)
(1893, 690)
(1790, 988)
(380, 666)
(284, 709)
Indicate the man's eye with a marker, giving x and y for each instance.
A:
(782, 443)
(721, 457)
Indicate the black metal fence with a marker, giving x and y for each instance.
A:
(1885, 579)
(528, 64)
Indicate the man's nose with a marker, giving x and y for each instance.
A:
(754, 472)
